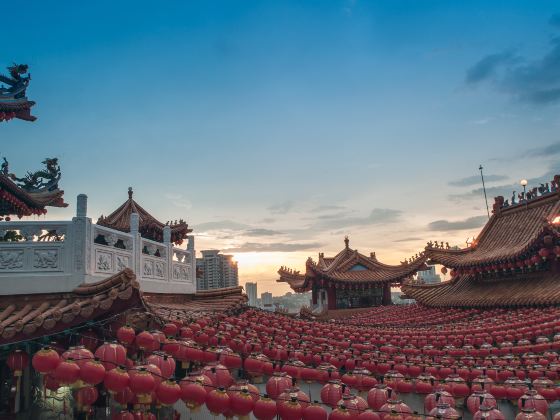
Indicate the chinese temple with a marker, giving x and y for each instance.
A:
(350, 279)
(13, 102)
(512, 262)
(149, 227)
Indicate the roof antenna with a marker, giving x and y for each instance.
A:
(484, 189)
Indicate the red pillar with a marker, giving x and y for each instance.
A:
(387, 294)
(314, 293)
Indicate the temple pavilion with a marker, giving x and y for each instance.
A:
(514, 261)
(349, 279)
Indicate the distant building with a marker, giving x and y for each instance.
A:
(217, 270)
(251, 290)
(429, 276)
(266, 301)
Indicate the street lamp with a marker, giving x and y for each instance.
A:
(523, 183)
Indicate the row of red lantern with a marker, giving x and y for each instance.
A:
(6, 116)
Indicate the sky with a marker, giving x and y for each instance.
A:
(275, 128)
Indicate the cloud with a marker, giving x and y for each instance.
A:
(221, 225)
(446, 225)
(487, 67)
(327, 207)
(268, 220)
(546, 151)
(410, 239)
(261, 232)
(475, 179)
(377, 216)
(281, 208)
(274, 247)
(534, 81)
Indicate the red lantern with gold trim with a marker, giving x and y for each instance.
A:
(45, 360)
(168, 392)
(67, 372)
(218, 401)
(265, 408)
(17, 361)
(126, 335)
(92, 372)
(116, 380)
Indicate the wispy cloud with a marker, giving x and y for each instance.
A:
(475, 179)
(545, 151)
(261, 232)
(273, 247)
(532, 81)
(281, 208)
(222, 225)
(409, 239)
(446, 225)
(377, 216)
(327, 207)
(178, 200)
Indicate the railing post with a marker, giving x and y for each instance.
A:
(136, 244)
(168, 251)
(192, 253)
(81, 241)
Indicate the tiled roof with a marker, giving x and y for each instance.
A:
(150, 227)
(20, 108)
(23, 317)
(174, 306)
(353, 267)
(509, 233)
(540, 288)
(16, 201)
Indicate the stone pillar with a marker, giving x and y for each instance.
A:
(81, 206)
(166, 234)
(192, 252)
(137, 245)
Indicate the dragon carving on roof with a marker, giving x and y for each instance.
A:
(43, 180)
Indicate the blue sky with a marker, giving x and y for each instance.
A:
(275, 128)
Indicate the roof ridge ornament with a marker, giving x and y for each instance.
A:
(130, 192)
(347, 242)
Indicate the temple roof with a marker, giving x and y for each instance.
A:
(14, 200)
(150, 227)
(509, 234)
(172, 306)
(24, 317)
(467, 291)
(350, 266)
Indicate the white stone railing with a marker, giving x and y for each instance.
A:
(50, 256)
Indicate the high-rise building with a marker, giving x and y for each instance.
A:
(266, 301)
(251, 290)
(217, 270)
(429, 276)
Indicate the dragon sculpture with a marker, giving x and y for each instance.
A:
(13, 102)
(43, 180)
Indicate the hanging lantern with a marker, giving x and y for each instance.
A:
(265, 408)
(126, 335)
(217, 401)
(170, 329)
(290, 409)
(479, 398)
(168, 392)
(67, 372)
(86, 397)
(165, 363)
(340, 413)
(145, 341)
(378, 396)
(124, 397)
(444, 411)
(80, 354)
(116, 380)
(369, 415)
(142, 383)
(17, 361)
(532, 399)
(487, 413)
(332, 392)
(193, 394)
(277, 384)
(111, 355)
(123, 415)
(314, 412)
(241, 403)
(45, 360)
(92, 372)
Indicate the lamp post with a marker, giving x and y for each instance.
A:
(523, 183)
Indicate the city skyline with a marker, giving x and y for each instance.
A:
(277, 129)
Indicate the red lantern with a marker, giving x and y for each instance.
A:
(487, 413)
(145, 341)
(378, 396)
(314, 412)
(168, 392)
(165, 363)
(80, 354)
(193, 394)
(290, 409)
(265, 408)
(142, 383)
(340, 413)
(369, 415)
(124, 397)
(277, 384)
(241, 402)
(92, 372)
(217, 401)
(86, 397)
(532, 399)
(17, 361)
(111, 355)
(116, 380)
(332, 392)
(67, 372)
(444, 411)
(45, 360)
(123, 415)
(219, 374)
(170, 329)
(126, 335)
